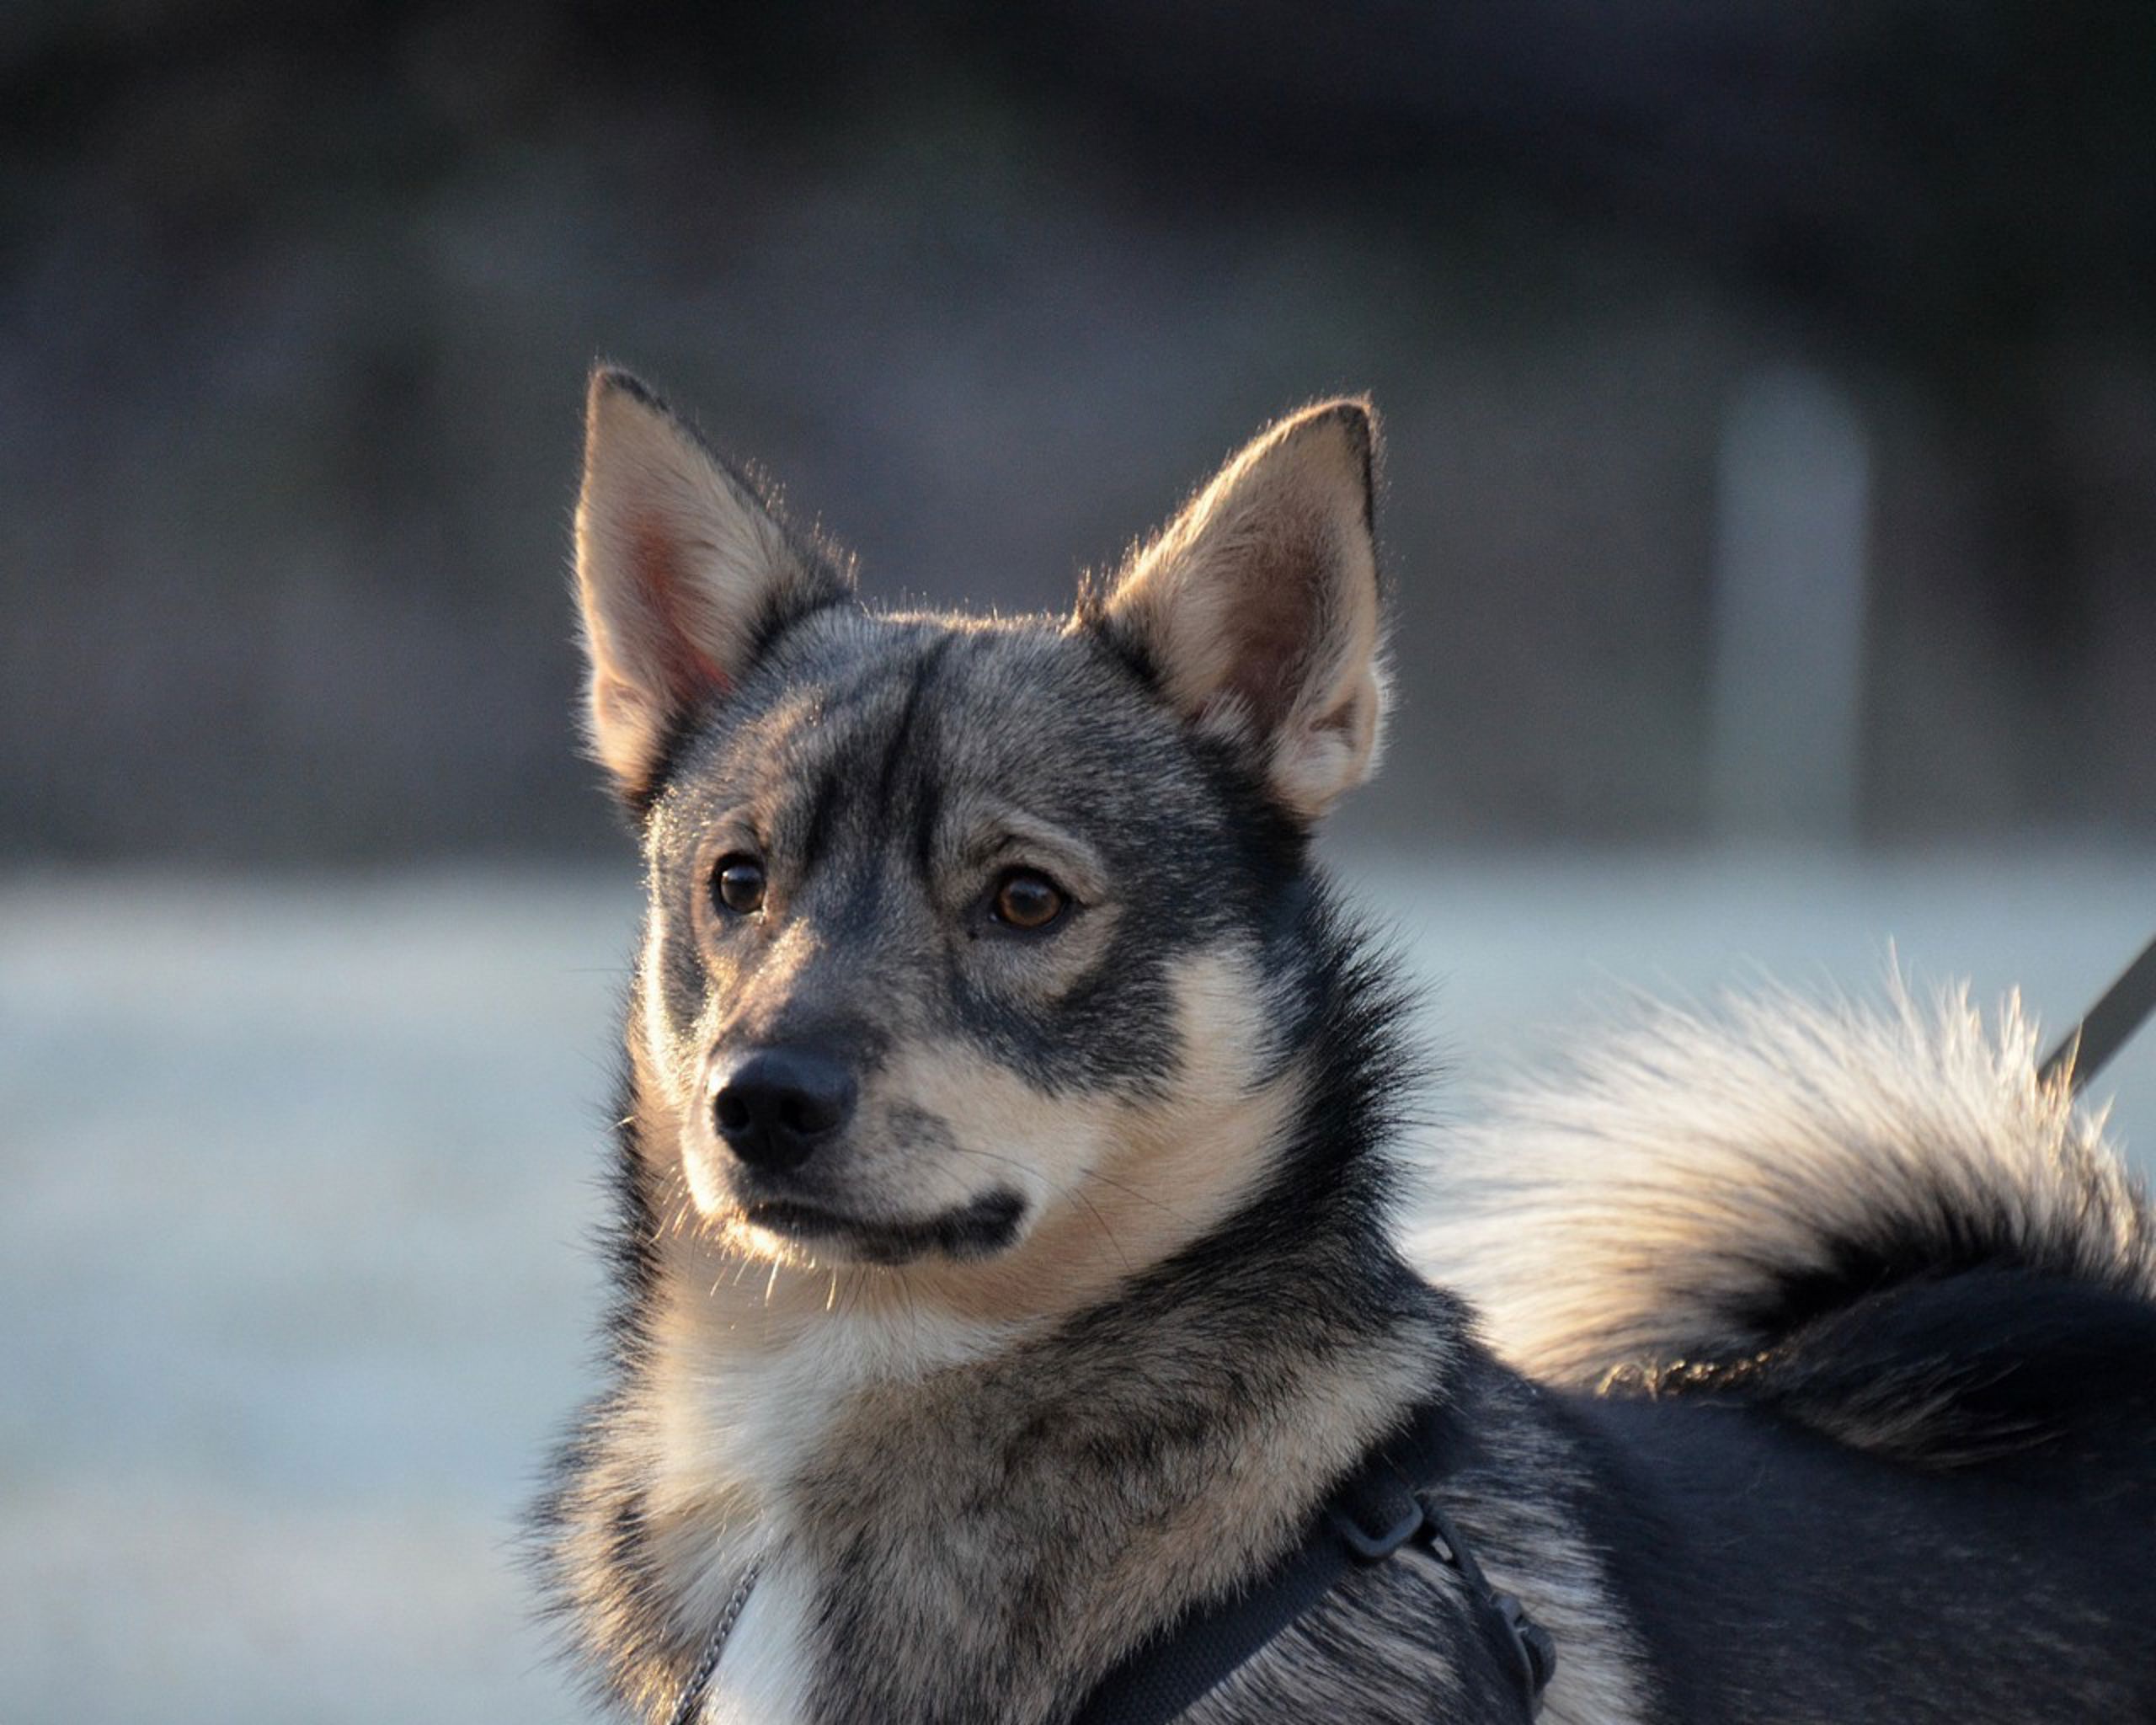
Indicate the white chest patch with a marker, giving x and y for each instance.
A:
(739, 1409)
(763, 1677)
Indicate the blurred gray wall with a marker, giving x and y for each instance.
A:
(296, 306)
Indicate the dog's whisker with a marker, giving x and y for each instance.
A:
(1101, 1222)
(1102, 1177)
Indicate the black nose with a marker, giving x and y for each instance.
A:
(780, 1104)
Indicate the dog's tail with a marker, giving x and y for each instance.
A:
(1732, 1204)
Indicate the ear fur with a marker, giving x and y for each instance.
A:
(1258, 608)
(682, 570)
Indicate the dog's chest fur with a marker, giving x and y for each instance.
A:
(957, 1519)
(742, 1400)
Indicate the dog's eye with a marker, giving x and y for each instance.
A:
(1025, 898)
(738, 885)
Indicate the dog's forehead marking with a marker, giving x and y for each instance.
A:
(863, 729)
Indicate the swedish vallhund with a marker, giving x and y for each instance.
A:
(1011, 1292)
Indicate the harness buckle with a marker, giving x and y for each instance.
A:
(1535, 1646)
(1534, 1649)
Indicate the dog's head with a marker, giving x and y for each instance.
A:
(968, 936)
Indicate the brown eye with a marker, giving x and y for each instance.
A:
(1025, 898)
(737, 884)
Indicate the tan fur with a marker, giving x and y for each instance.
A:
(1615, 1214)
(874, 1418)
(1116, 1186)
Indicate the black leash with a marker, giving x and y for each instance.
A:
(2124, 1008)
(1386, 1506)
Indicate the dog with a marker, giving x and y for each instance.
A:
(1009, 1252)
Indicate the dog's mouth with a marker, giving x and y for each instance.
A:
(978, 1228)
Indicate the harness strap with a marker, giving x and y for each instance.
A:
(1385, 1505)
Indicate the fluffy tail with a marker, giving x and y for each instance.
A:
(1689, 1195)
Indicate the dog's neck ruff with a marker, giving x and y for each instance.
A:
(1386, 1505)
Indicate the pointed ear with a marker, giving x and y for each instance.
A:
(1258, 608)
(682, 571)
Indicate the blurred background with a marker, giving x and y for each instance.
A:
(1771, 514)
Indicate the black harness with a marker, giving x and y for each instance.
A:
(1386, 1506)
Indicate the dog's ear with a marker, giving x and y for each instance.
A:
(1256, 609)
(682, 571)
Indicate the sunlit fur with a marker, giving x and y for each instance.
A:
(1077, 1314)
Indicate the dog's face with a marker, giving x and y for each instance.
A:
(961, 931)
